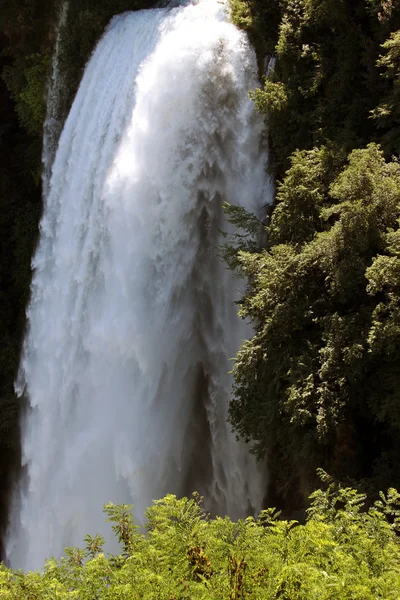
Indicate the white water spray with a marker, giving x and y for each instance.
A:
(132, 322)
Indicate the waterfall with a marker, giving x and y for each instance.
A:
(54, 103)
(132, 324)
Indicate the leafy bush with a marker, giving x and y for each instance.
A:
(342, 551)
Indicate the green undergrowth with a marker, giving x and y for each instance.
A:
(342, 551)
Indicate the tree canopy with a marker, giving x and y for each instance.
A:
(317, 383)
(323, 297)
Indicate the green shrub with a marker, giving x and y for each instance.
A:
(342, 551)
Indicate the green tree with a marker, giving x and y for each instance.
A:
(326, 80)
(321, 368)
(387, 113)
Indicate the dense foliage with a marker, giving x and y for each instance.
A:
(342, 551)
(318, 383)
(328, 73)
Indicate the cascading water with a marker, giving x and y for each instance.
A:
(132, 323)
(55, 101)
